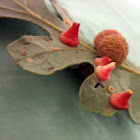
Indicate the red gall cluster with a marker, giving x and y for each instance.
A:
(104, 41)
(104, 67)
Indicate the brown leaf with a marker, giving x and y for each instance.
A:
(45, 56)
(12, 9)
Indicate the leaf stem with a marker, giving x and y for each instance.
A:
(60, 30)
(7, 8)
(86, 46)
(130, 69)
(37, 16)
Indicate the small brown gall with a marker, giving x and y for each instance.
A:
(29, 59)
(27, 43)
(69, 22)
(23, 53)
(111, 89)
(54, 48)
(47, 40)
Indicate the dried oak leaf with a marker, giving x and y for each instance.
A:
(45, 59)
(47, 56)
(94, 95)
(43, 55)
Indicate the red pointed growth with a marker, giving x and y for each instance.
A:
(102, 61)
(70, 37)
(103, 72)
(121, 101)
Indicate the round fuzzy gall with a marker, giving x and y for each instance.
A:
(103, 34)
(115, 47)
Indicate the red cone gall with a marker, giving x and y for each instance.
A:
(102, 61)
(121, 101)
(70, 37)
(103, 72)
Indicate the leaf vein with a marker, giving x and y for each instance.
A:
(7, 8)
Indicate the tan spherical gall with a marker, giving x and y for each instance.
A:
(115, 47)
(102, 35)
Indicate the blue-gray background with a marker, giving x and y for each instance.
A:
(34, 107)
(97, 15)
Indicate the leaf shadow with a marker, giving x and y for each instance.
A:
(18, 28)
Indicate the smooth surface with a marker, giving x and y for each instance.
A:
(34, 107)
